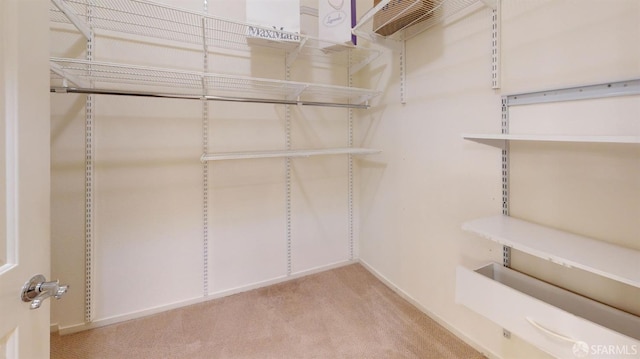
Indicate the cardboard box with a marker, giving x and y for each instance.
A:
(335, 20)
(397, 14)
(273, 22)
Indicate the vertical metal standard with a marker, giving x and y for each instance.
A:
(495, 47)
(205, 200)
(506, 251)
(505, 158)
(287, 166)
(350, 168)
(88, 184)
(205, 164)
(403, 73)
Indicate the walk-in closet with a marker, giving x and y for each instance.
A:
(320, 179)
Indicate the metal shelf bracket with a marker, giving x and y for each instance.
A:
(75, 20)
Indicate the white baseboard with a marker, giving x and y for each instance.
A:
(101, 322)
(278, 280)
(429, 313)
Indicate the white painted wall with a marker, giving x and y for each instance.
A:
(412, 198)
(428, 181)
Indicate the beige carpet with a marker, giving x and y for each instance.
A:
(342, 313)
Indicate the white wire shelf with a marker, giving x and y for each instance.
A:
(158, 21)
(111, 78)
(403, 20)
(497, 140)
(286, 154)
(605, 259)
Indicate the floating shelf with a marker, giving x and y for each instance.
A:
(286, 153)
(158, 21)
(102, 77)
(605, 259)
(497, 140)
(419, 15)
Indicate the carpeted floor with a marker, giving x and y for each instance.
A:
(341, 313)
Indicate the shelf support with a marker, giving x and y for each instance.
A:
(205, 165)
(364, 100)
(287, 170)
(295, 96)
(505, 158)
(66, 76)
(403, 73)
(496, 24)
(611, 89)
(506, 250)
(89, 160)
(354, 68)
(84, 29)
(494, 4)
(293, 55)
(350, 170)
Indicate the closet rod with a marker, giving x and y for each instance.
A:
(92, 91)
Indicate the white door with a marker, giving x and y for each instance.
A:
(24, 174)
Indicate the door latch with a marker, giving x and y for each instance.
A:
(37, 289)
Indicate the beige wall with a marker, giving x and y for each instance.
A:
(428, 181)
(411, 199)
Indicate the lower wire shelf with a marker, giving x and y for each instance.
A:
(286, 153)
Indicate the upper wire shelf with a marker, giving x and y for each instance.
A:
(158, 21)
(403, 20)
(111, 78)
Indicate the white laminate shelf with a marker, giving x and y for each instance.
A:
(111, 78)
(158, 21)
(497, 140)
(602, 258)
(286, 154)
(421, 15)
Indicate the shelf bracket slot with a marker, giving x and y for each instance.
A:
(506, 250)
(403, 73)
(496, 55)
(75, 20)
